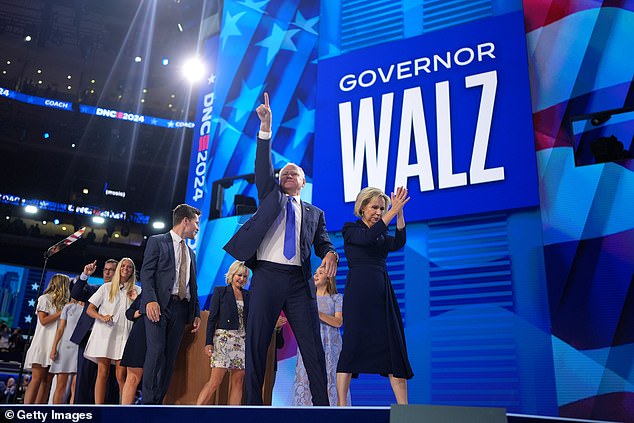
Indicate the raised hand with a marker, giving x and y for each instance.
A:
(265, 115)
(90, 268)
(399, 199)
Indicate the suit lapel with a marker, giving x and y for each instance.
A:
(169, 243)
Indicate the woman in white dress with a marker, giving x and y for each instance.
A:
(111, 329)
(64, 351)
(49, 308)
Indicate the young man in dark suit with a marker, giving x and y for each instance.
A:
(276, 244)
(169, 299)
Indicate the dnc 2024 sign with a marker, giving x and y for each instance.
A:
(447, 114)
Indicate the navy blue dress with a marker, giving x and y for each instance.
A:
(373, 337)
(134, 351)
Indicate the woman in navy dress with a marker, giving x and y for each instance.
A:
(373, 337)
(134, 352)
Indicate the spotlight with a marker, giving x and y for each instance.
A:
(27, 38)
(8, 62)
(138, 59)
(85, 190)
(69, 77)
(98, 220)
(63, 228)
(39, 71)
(30, 209)
(194, 69)
(56, 221)
(180, 27)
(44, 222)
(158, 225)
(165, 62)
(92, 81)
(46, 135)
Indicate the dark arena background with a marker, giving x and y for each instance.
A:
(510, 122)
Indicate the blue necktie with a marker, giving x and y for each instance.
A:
(289, 233)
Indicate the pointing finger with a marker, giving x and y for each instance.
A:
(266, 99)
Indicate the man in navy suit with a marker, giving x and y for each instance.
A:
(276, 244)
(169, 299)
(86, 369)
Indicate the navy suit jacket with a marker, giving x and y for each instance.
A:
(82, 291)
(223, 312)
(244, 244)
(159, 272)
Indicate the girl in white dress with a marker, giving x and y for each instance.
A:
(111, 329)
(64, 351)
(49, 308)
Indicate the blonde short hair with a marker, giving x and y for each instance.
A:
(365, 196)
(235, 267)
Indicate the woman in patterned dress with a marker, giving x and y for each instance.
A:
(226, 334)
(329, 304)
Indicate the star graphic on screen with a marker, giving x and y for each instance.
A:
(211, 79)
(224, 125)
(306, 24)
(243, 104)
(35, 286)
(279, 39)
(154, 121)
(27, 319)
(230, 27)
(303, 123)
(31, 302)
(255, 5)
(170, 124)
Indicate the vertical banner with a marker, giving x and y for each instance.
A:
(446, 114)
(198, 191)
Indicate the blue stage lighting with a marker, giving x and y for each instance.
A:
(165, 62)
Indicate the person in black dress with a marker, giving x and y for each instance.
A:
(373, 337)
(134, 352)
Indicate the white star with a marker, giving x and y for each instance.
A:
(305, 24)
(170, 124)
(211, 79)
(27, 319)
(154, 121)
(31, 302)
(35, 286)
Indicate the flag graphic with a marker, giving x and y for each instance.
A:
(64, 242)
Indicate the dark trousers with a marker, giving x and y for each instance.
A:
(163, 340)
(277, 287)
(87, 376)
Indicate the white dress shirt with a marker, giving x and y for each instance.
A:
(272, 246)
